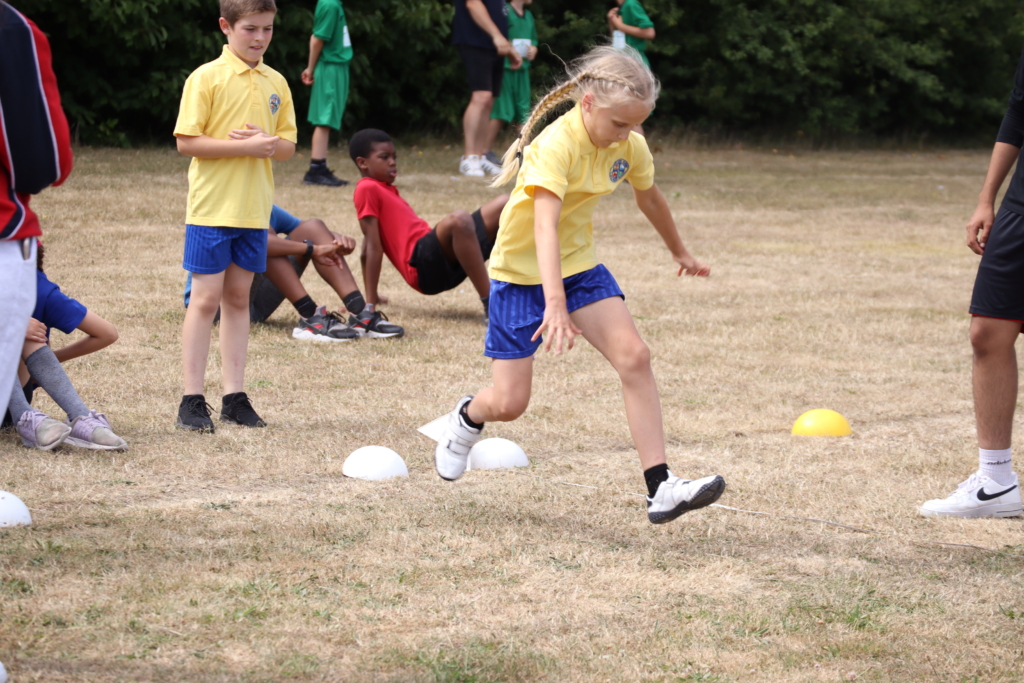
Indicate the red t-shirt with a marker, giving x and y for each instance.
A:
(400, 227)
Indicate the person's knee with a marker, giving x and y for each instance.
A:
(314, 230)
(988, 338)
(236, 298)
(633, 358)
(204, 303)
(509, 407)
(483, 98)
(462, 223)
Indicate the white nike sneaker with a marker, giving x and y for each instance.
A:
(471, 166)
(452, 452)
(488, 165)
(676, 497)
(979, 496)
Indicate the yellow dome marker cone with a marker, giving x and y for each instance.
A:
(821, 422)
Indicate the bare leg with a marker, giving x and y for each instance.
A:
(195, 333)
(493, 128)
(321, 138)
(508, 398)
(234, 327)
(491, 213)
(995, 379)
(457, 236)
(608, 325)
(474, 121)
(341, 280)
(283, 276)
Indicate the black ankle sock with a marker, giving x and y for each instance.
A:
(317, 162)
(654, 477)
(354, 302)
(305, 306)
(464, 414)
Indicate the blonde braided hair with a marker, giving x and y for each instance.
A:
(610, 75)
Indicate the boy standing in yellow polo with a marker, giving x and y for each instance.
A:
(236, 115)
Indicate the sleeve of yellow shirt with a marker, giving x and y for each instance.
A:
(641, 171)
(548, 166)
(194, 111)
(286, 116)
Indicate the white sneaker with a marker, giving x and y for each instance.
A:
(471, 166)
(979, 496)
(676, 497)
(452, 452)
(488, 165)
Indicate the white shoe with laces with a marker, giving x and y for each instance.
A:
(452, 452)
(979, 496)
(471, 166)
(489, 166)
(676, 497)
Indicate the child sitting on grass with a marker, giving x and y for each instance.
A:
(41, 366)
(431, 261)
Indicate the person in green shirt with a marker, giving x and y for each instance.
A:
(513, 104)
(631, 27)
(330, 51)
(630, 19)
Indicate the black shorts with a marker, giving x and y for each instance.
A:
(436, 275)
(484, 68)
(999, 286)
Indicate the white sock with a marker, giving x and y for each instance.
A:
(996, 465)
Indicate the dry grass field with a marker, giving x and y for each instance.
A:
(839, 280)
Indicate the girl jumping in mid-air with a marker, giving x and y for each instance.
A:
(545, 277)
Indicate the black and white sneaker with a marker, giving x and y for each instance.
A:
(321, 175)
(979, 496)
(324, 326)
(676, 497)
(375, 325)
(493, 159)
(194, 414)
(237, 409)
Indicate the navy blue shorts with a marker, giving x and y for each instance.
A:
(212, 250)
(516, 311)
(999, 286)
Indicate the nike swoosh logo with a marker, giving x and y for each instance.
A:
(989, 496)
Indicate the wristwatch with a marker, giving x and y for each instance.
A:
(309, 248)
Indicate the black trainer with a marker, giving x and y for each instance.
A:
(321, 175)
(374, 324)
(324, 326)
(194, 414)
(237, 409)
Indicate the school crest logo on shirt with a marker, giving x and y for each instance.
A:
(275, 103)
(618, 171)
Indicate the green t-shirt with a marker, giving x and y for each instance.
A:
(523, 30)
(633, 14)
(329, 26)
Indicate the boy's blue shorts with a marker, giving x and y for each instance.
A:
(516, 311)
(212, 250)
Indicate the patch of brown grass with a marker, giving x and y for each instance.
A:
(839, 281)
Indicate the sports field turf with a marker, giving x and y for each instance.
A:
(839, 280)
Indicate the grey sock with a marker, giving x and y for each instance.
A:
(47, 372)
(18, 404)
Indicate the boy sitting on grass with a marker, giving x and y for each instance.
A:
(292, 244)
(430, 260)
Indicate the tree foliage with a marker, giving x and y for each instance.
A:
(821, 66)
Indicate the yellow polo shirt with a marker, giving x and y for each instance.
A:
(219, 96)
(564, 161)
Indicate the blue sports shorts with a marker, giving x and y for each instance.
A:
(212, 250)
(516, 311)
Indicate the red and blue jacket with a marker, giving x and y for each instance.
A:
(35, 145)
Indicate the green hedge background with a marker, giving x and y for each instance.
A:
(820, 68)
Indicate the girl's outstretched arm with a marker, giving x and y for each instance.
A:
(653, 205)
(557, 323)
(102, 334)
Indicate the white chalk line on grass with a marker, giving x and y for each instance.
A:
(858, 530)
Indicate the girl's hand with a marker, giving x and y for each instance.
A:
(691, 266)
(307, 76)
(346, 244)
(559, 327)
(245, 133)
(36, 332)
